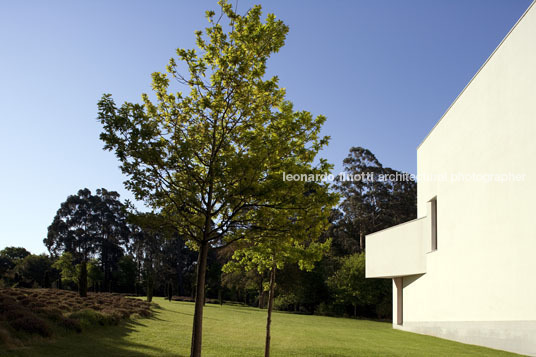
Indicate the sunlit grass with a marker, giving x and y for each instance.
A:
(239, 331)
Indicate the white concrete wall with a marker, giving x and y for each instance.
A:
(485, 267)
(399, 250)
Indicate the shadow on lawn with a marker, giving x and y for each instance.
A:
(107, 341)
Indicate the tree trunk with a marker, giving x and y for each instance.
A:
(150, 285)
(105, 266)
(361, 241)
(261, 298)
(355, 310)
(82, 279)
(180, 284)
(199, 300)
(138, 278)
(270, 307)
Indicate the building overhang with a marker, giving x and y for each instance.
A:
(399, 250)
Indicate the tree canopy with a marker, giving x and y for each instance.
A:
(209, 157)
(86, 224)
(374, 197)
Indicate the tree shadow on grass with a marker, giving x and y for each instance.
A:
(192, 315)
(108, 341)
(241, 311)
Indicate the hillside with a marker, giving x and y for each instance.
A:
(239, 331)
(31, 315)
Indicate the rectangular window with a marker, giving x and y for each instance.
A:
(434, 222)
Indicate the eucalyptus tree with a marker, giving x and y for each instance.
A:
(207, 157)
(87, 225)
(150, 234)
(374, 197)
(114, 232)
(75, 230)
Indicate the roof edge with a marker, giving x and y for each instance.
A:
(476, 74)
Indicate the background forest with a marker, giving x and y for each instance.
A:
(98, 243)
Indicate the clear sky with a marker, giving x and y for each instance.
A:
(383, 72)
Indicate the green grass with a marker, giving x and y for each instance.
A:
(239, 331)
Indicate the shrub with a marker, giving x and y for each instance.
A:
(324, 309)
(51, 313)
(7, 340)
(124, 313)
(88, 317)
(35, 311)
(70, 324)
(112, 316)
(144, 312)
(7, 304)
(31, 324)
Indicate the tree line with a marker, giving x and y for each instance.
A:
(98, 243)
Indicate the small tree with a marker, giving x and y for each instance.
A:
(208, 157)
(286, 236)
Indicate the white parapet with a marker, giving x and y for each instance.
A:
(399, 250)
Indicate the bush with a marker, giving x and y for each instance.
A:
(51, 313)
(144, 312)
(7, 340)
(324, 309)
(36, 311)
(70, 324)
(32, 324)
(88, 317)
(283, 302)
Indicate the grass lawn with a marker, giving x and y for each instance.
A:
(239, 331)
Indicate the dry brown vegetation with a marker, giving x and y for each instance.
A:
(27, 313)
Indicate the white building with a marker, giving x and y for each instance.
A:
(466, 268)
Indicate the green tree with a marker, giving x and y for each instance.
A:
(86, 225)
(150, 233)
(286, 235)
(127, 274)
(114, 233)
(376, 198)
(65, 265)
(75, 230)
(35, 270)
(208, 157)
(9, 258)
(350, 286)
(240, 282)
(95, 276)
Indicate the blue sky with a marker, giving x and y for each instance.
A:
(383, 72)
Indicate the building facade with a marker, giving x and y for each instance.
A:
(466, 268)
